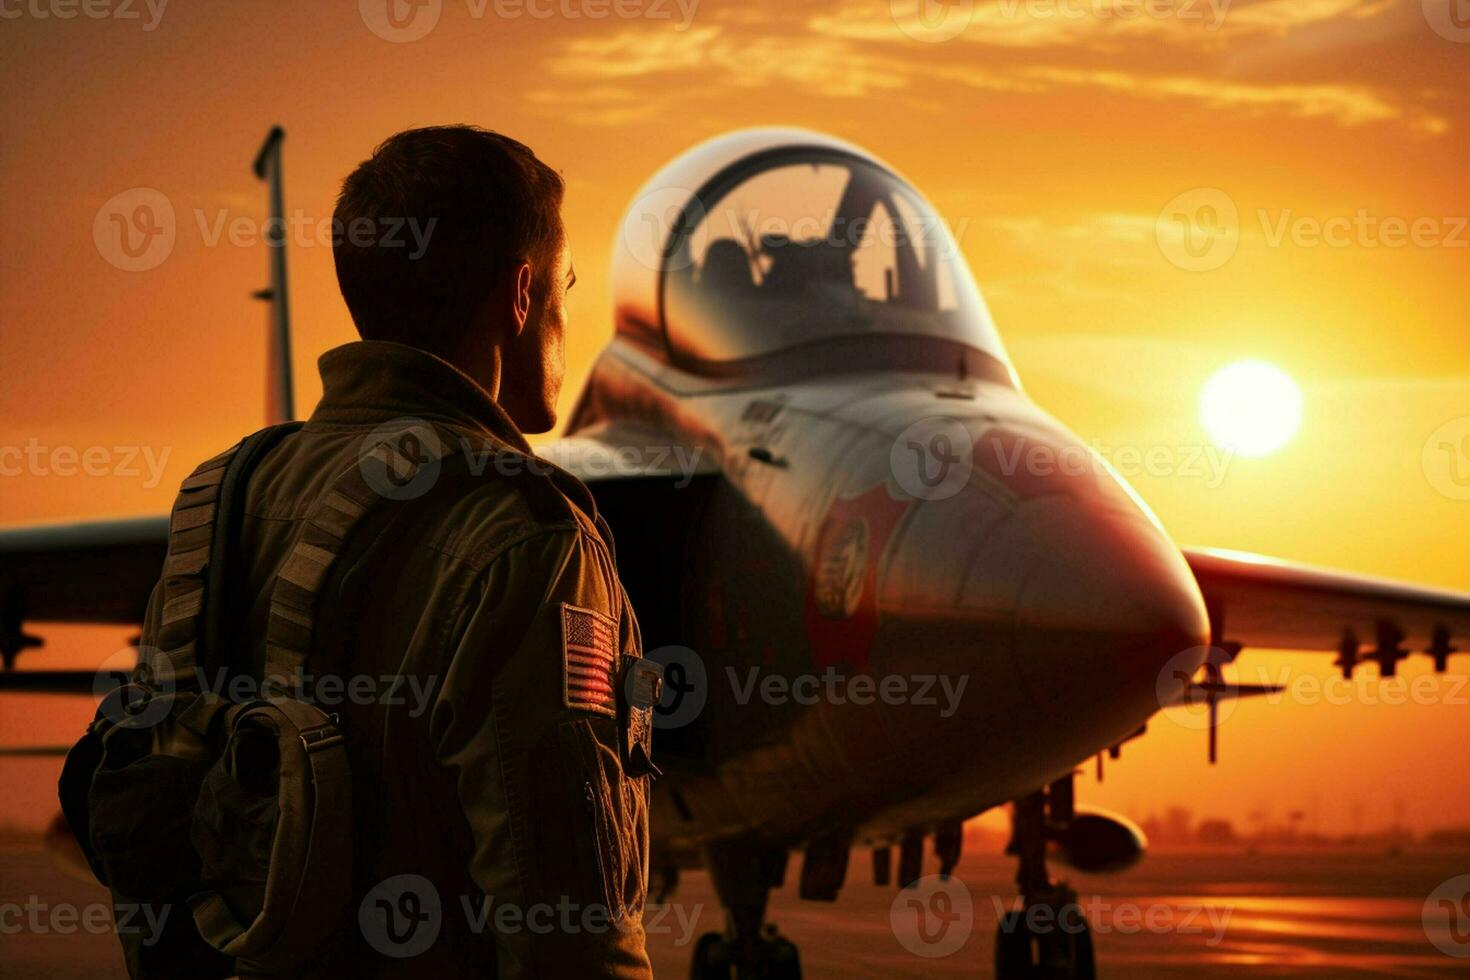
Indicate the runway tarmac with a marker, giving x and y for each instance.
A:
(1225, 915)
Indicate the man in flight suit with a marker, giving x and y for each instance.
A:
(500, 792)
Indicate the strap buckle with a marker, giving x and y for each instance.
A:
(323, 736)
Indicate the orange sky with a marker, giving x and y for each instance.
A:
(1052, 134)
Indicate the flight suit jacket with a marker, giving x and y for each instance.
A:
(473, 653)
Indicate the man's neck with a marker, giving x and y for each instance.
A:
(482, 364)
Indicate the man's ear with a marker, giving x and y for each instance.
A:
(522, 296)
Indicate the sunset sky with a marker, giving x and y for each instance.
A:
(1064, 142)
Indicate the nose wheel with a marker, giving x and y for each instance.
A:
(749, 948)
(1048, 937)
(769, 957)
(1057, 946)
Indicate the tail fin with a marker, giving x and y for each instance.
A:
(279, 400)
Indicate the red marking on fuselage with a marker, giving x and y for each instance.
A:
(841, 613)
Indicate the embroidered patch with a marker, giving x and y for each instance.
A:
(589, 660)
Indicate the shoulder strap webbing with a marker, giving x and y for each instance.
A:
(407, 466)
(400, 467)
(198, 567)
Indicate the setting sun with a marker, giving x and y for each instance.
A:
(1251, 408)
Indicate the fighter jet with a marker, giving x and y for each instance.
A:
(877, 615)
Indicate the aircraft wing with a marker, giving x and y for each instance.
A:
(103, 571)
(82, 572)
(1264, 602)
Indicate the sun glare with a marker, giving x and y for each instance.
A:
(1251, 408)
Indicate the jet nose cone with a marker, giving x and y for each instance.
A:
(1107, 606)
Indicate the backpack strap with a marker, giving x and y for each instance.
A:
(199, 558)
(225, 606)
(400, 467)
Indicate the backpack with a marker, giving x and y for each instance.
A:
(223, 828)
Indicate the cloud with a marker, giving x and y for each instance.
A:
(813, 64)
(1348, 105)
(1100, 25)
(727, 58)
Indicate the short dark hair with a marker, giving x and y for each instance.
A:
(423, 226)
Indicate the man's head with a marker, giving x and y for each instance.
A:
(450, 239)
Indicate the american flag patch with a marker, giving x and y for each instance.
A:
(589, 660)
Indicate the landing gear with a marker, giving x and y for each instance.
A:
(717, 957)
(1048, 939)
(749, 949)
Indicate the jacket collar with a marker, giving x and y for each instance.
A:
(372, 381)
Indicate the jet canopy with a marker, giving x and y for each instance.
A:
(791, 242)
